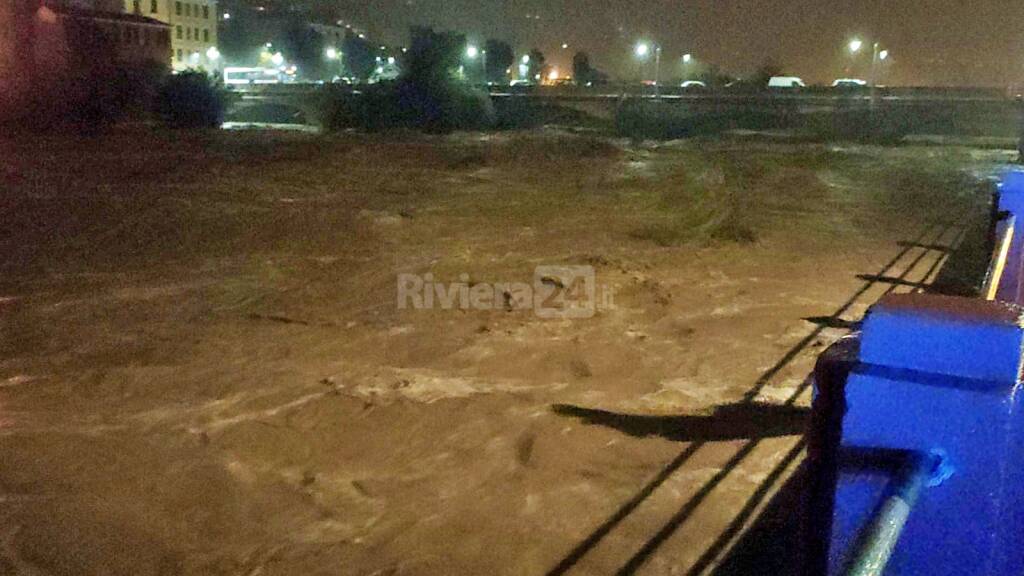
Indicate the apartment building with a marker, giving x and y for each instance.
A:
(193, 29)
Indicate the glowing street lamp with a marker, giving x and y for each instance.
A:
(526, 59)
(472, 52)
(642, 50)
(687, 61)
(212, 54)
(332, 54)
(277, 59)
(877, 56)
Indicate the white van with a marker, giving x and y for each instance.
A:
(786, 82)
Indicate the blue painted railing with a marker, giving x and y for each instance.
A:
(916, 453)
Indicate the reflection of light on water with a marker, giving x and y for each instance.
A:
(269, 126)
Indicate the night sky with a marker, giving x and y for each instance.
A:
(935, 42)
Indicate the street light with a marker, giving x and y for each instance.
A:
(212, 54)
(687, 60)
(277, 59)
(526, 59)
(472, 52)
(332, 54)
(883, 55)
(642, 50)
(856, 45)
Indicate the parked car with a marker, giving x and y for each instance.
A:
(786, 82)
(849, 84)
(694, 85)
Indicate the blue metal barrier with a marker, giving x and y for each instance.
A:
(916, 452)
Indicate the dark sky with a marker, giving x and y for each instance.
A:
(940, 42)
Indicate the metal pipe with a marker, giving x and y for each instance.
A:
(876, 543)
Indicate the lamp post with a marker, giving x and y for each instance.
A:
(642, 50)
(472, 52)
(878, 55)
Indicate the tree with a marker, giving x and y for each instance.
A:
(434, 56)
(191, 100)
(768, 70)
(305, 48)
(535, 67)
(500, 57)
(582, 71)
(359, 56)
(713, 76)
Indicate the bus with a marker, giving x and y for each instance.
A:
(236, 77)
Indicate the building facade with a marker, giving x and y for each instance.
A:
(193, 30)
(69, 38)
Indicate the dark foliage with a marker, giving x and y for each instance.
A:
(500, 57)
(537, 64)
(92, 92)
(582, 71)
(359, 56)
(305, 47)
(427, 97)
(764, 73)
(191, 100)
